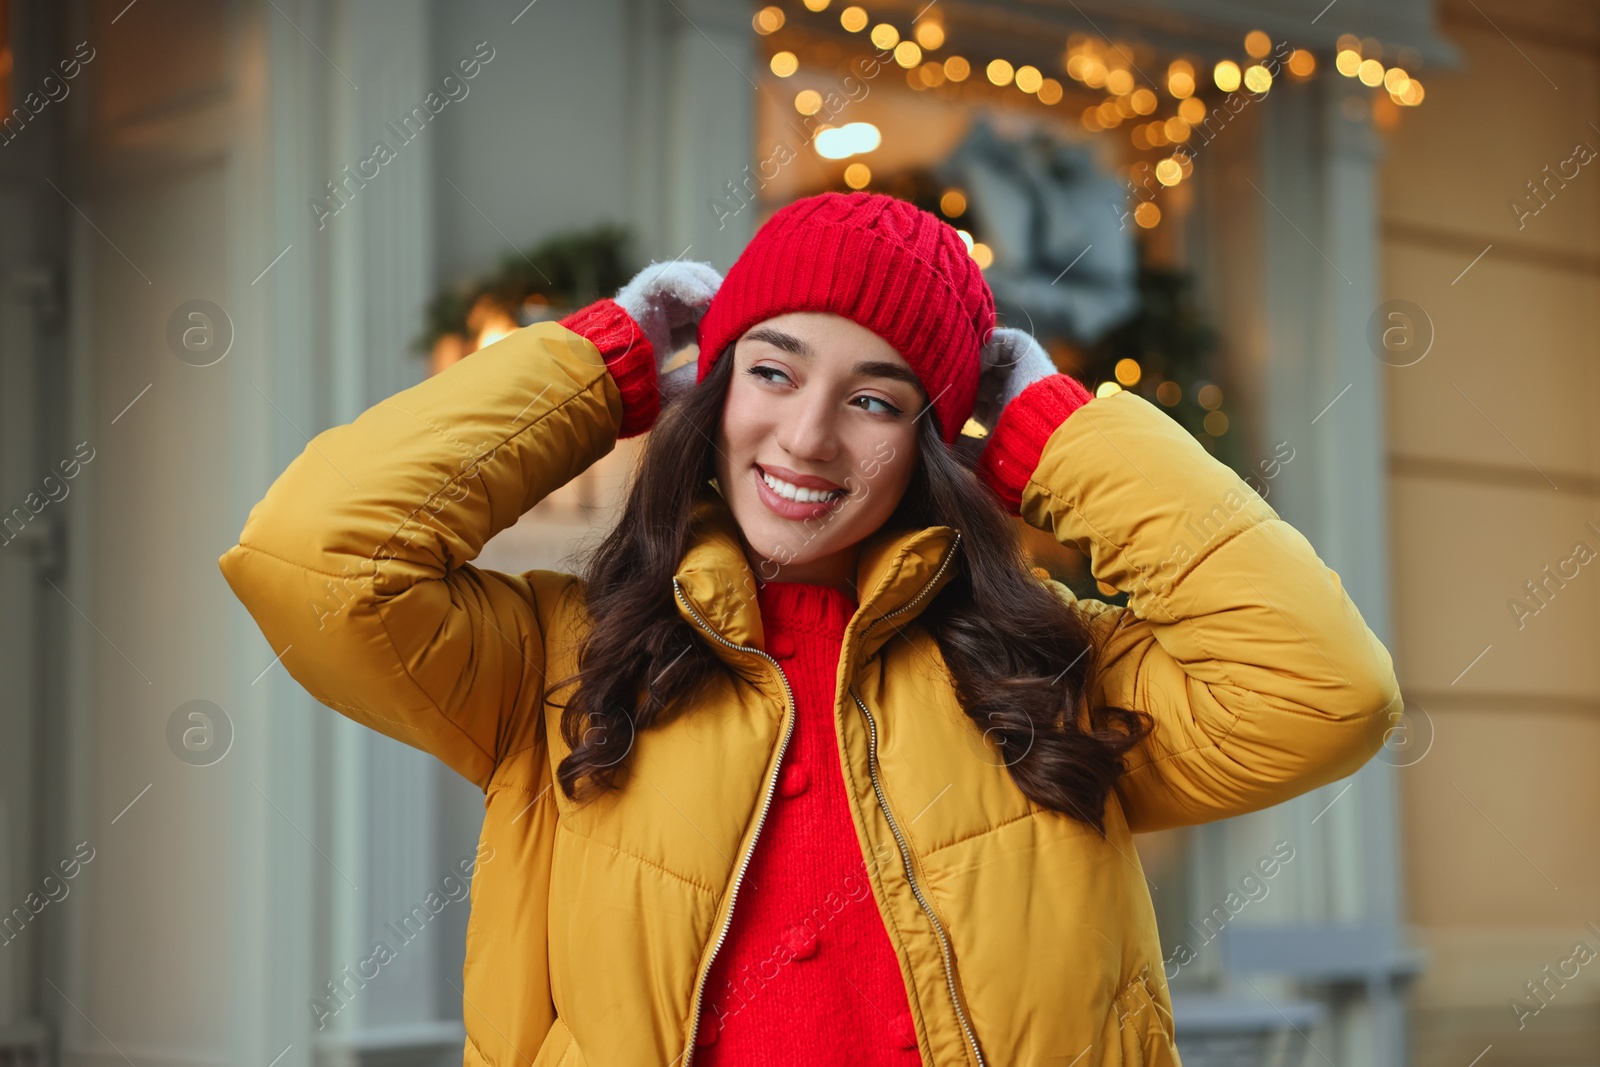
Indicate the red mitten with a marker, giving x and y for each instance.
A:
(1011, 451)
(629, 356)
(640, 330)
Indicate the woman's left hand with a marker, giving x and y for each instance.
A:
(1010, 362)
(1022, 399)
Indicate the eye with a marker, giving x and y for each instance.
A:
(890, 409)
(757, 371)
(760, 372)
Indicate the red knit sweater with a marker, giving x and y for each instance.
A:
(806, 973)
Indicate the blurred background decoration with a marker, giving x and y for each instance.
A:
(1047, 229)
(546, 281)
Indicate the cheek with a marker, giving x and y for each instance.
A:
(740, 434)
(742, 427)
(886, 461)
(727, 428)
(882, 471)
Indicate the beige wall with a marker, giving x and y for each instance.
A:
(1494, 473)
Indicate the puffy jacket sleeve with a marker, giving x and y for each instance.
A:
(356, 563)
(1262, 678)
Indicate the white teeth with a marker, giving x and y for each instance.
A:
(794, 492)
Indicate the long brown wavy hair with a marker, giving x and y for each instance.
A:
(1020, 656)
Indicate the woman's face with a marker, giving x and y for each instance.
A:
(816, 402)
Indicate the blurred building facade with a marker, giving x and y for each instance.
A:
(1491, 469)
(192, 284)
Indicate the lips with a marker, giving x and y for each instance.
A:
(803, 481)
(793, 509)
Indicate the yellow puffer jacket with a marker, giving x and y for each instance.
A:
(1023, 937)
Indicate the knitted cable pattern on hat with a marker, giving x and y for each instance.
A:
(884, 263)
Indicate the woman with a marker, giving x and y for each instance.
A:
(809, 767)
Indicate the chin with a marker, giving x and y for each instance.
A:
(784, 543)
(776, 542)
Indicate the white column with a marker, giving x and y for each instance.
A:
(696, 128)
(382, 798)
(281, 882)
(338, 312)
(1320, 389)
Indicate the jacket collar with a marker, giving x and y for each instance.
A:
(898, 573)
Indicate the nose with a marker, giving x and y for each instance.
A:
(810, 428)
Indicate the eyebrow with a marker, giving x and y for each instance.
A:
(871, 368)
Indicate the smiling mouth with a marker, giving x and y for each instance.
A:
(795, 494)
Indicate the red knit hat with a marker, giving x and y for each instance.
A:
(886, 264)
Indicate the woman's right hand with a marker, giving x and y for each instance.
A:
(639, 330)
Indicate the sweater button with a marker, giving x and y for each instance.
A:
(905, 1031)
(801, 941)
(782, 646)
(794, 779)
(707, 1034)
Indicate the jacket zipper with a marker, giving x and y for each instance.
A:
(883, 803)
(877, 787)
(694, 1028)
